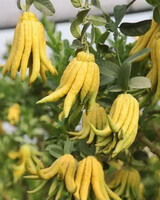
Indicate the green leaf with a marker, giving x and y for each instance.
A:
(85, 27)
(103, 37)
(109, 68)
(44, 6)
(102, 47)
(96, 3)
(140, 155)
(112, 26)
(76, 3)
(85, 149)
(97, 34)
(76, 44)
(124, 76)
(134, 57)
(97, 20)
(154, 3)
(115, 88)
(53, 146)
(19, 4)
(75, 29)
(68, 147)
(156, 14)
(82, 15)
(135, 29)
(56, 153)
(29, 3)
(119, 12)
(55, 150)
(105, 80)
(92, 34)
(139, 82)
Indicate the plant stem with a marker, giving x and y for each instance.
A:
(153, 148)
(116, 48)
(130, 3)
(154, 112)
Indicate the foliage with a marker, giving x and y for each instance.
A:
(39, 124)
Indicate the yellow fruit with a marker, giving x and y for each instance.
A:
(79, 80)
(97, 116)
(14, 113)
(28, 50)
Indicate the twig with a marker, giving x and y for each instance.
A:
(154, 112)
(128, 5)
(154, 149)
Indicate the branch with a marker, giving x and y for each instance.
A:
(154, 149)
(154, 112)
(128, 5)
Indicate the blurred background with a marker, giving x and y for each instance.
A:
(64, 13)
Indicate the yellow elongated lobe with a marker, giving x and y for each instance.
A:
(62, 91)
(79, 176)
(28, 50)
(70, 176)
(35, 53)
(144, 40)
(88, 81)
(43, 71)
(27, 161)
(97, 117)
(157, 94)
(42, 48)
(121, 129)
(74, 90)
(7, 66)
(97, 180)
(118, 114)
(86, 179)
(126, 182)
(19, 51)
(79, 80)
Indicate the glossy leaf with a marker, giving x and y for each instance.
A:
(96, 3)
(85, 27)
(76, 3)
(103, 37)
(75, 29)
(135, 29)
(156, 14)
(19, 4)
(29, 2)
(124, 76)
(55, 150)
(44, 6)
(82, 15)
(105, 80)
(140, 155)
(76, 44)
(97, 34)
(119, 12)
(134, 57)
(97, 20)
(109, 68)
(154, 3)
(111, 26)
(102, 47)
(68, 147)
(115, 88)
(93, 34)
(139, 82)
